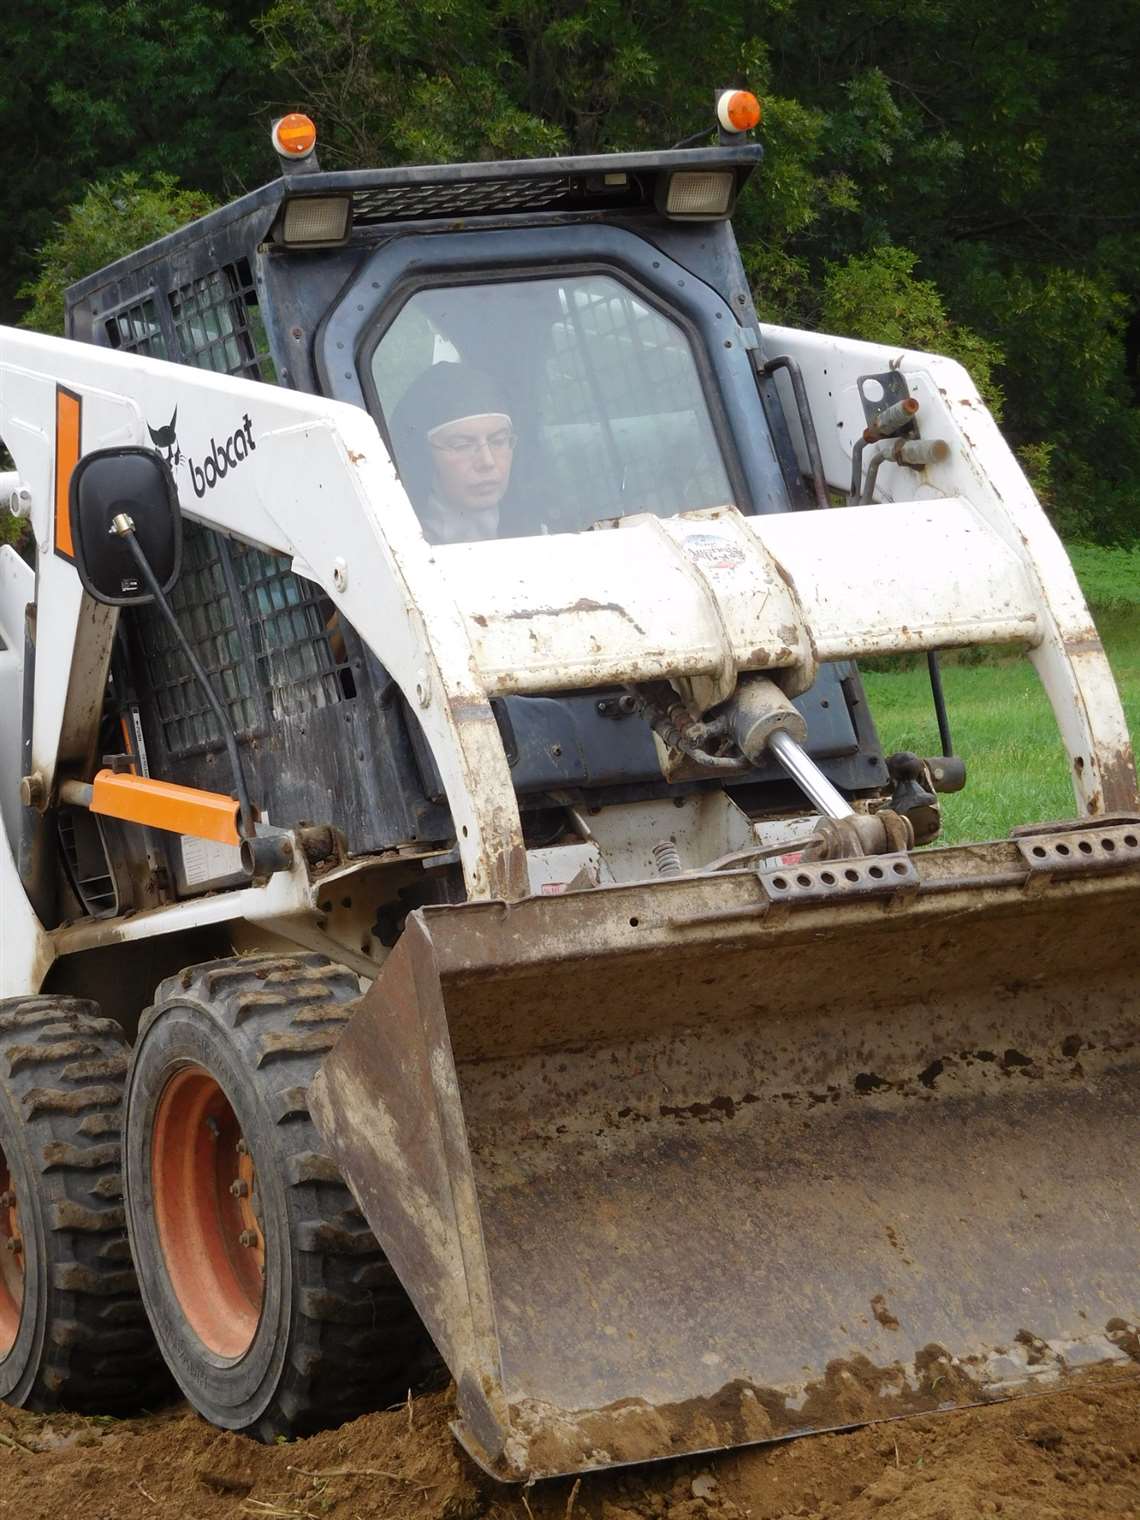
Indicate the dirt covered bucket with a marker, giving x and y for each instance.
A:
(724, 1158)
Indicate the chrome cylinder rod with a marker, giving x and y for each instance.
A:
(808, 776)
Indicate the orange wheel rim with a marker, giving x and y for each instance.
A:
(208, 1211)
(11, 1261)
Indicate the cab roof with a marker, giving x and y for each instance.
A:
(449, 193)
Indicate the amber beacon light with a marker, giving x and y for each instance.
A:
(295, 135)
(738, 111)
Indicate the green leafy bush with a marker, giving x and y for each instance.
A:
(114, 218)
(876, 296)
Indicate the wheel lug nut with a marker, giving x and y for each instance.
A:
(248, 1238)
(7, 1200)
(242, 1148)
(239, 1188)
(14, 1243)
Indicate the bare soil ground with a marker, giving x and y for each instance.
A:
(1067, 1455)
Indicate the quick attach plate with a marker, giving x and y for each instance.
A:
(1073, 852)
(825, 880)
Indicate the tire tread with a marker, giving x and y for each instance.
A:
(98, 1353)
(356, 1342)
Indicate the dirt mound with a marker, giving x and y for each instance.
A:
(1072, 1455)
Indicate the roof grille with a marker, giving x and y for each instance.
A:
(406, 203)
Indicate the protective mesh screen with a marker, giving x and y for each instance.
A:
(202, 602)
(267, 639)
(217, 324)
(137, 329)
(613, 356)
(294, 635)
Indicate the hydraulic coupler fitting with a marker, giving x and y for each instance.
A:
(891, 419)
(918, 452)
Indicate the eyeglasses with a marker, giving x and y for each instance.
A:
(464, 445)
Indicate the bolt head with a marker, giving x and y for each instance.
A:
(239, 1188)
(248, 1238)
(14, 1244)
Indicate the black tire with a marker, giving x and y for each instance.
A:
(335, 1335)
(76, 1337)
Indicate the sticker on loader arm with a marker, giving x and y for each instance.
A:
(713, 552)
(205, 860)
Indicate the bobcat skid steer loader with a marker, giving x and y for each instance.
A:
(452, 890)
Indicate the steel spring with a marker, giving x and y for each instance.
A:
(666, 859)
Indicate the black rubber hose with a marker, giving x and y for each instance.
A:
(937, 693)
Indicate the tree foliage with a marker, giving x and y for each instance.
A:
(93, 88)
(875, 295)
(948, 176)
(115, 217)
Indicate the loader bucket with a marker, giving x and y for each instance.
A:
(720, 1159)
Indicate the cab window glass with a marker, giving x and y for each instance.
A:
(567, 400)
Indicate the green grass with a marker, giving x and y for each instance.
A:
(1110, 578)
(1001, 722)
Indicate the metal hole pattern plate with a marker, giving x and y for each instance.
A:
(817, 881)
(1089, 849)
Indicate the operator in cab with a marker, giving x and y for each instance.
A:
(454, 444)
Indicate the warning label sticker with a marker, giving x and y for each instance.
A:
(206, 860)
(713, 552)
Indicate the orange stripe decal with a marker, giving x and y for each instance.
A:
(163, 805)
(68, 421)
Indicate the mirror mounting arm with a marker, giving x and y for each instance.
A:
(123, 527)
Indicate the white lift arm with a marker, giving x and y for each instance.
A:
(970, 558)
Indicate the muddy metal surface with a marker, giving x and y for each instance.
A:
(1068, 1455)
(670, 1168)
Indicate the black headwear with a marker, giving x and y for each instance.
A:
(443, 393)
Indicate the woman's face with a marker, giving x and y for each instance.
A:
(472, 461)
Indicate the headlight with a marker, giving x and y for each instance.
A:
(702, 194)
(310, 219)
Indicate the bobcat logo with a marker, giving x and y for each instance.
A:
(165, 439)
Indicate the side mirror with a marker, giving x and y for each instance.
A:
(137, 482)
